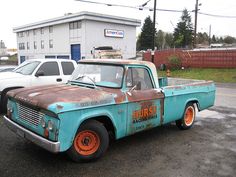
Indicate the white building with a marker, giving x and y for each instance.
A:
(75, 35)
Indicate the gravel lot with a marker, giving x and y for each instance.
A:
(208, 149)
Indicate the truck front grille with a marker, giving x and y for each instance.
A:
(29, 115)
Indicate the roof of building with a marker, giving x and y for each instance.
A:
(79, 16)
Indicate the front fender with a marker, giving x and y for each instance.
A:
(71, 121)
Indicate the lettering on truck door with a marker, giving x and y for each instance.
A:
(144, 102)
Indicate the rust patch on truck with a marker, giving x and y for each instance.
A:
(119, 96)
(47, 95)
(144, 95)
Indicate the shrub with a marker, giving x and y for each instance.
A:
(174, 62)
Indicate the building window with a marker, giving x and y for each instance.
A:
(41, 30)
(75, 25)
(50, 43)
(35, 31)
(28, 46)
(42, 44)
(50, 56)
(27, 33)
(50, 29)
(21, 46)
(21, 34)
(35, 45)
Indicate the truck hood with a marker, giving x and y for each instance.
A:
(61, 98)
(10, 75)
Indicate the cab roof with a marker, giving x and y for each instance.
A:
(117, 61)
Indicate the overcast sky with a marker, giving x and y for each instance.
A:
(15, 13)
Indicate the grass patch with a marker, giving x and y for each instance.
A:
(217, 75)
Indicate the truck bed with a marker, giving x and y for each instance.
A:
(178, 92)
(172, 82)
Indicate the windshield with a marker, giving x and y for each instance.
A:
(98, 75)
(27, 68)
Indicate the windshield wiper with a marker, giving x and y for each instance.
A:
(83, 76)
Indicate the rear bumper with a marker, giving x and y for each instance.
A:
(40, 141)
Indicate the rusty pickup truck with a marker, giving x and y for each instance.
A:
(103, 99)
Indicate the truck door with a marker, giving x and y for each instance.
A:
(145, 104)
(49, 74)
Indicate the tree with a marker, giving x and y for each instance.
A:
(202, 38)
(138, 45)
(169, 38)
(183, 33)
(146, 36)
(229, 40)
(213, 39)
(164, 40)
(160, 40)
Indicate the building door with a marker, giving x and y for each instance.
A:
(22, 59)
(75, 52)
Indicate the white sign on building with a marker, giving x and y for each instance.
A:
(114, 33)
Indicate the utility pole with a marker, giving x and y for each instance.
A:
(210, 35)
(154, 29)
(195, 25)
(154, 23)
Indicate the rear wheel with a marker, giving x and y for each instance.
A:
(188, 118)
(90, 143)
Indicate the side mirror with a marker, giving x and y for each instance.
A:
(39, 73)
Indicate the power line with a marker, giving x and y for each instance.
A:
(214, 15)
(151, 9)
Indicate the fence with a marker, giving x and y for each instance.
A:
(196, 59)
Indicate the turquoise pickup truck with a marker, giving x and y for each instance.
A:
(103, 99)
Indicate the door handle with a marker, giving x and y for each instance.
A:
(59, 79)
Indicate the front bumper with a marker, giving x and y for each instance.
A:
(40, 141)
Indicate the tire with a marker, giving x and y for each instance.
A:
(188, 118)
(90, 143)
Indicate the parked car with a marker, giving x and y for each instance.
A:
(6, 68)
(35, 72)
(102, 98)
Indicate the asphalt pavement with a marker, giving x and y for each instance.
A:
(207, 149)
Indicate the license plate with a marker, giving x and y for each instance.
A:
(20, 133)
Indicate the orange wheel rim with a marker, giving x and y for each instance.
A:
(189, 116)
(87, 142)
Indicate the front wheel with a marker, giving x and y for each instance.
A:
(90, 143)
(188, 118)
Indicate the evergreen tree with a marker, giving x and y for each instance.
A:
(213, 39)
(146, 36)
(183, 33)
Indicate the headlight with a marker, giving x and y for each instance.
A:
(43, 123)
(50, 125)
